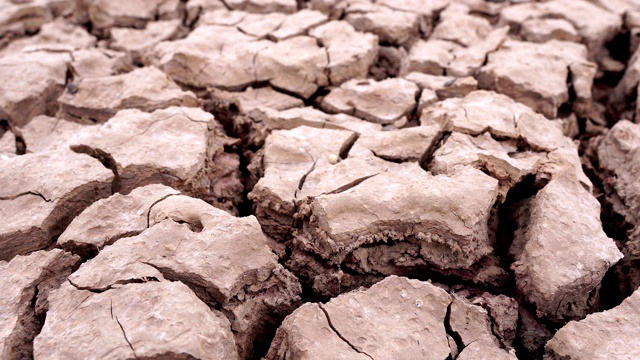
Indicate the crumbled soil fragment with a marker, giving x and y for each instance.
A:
(380, 102)
(351, 325)
(99, 99)
(560, 283)
(42, 193)
(225, 260)
(27, 282)
(110, 219)
(450, 235)
(603, 335)
(166, 320)
(31, 82)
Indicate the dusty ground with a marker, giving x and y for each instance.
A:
(324, 179)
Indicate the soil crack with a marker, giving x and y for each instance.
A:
(107, 161)
(452, 333)
(326, 314)
(154, 204)
(34, 193)
(124, 333)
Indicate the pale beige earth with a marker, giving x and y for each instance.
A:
(319, 179)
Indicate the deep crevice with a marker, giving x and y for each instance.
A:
(346, 147)
(387, 158)
(154, 204)
(105, 159)
(506, 221)
(34, 193)
(428, 155)
(452, 333)
(351, 184)
(115, 284)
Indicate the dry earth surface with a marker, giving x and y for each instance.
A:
(320, 179)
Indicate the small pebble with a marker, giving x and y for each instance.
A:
(450, 82)
(72, 88)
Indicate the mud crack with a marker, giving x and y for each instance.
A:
(326, 314)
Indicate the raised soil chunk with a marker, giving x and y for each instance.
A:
(45, 133)
(391, 26)
(211, 56)
(105, 14)
(377, 101)
(478, 112)
(444, 86)
(452, 228)
(428, 97)
(461, 28)
(98, 99)
(58, 35)
(397, 318)
(174, 146)
(289, 156)
(225, 17)
(274, 26)
(42, 193)
(408, 144)
(426, 9)
(224, 259)
(97, 63)
(431, 57)
(485, 349)
(619, 154)
(30, 83)
(499, 116)
(351, 53)
(543, 30)
(261, 25)
(136, 42)
(17, 18)
(343, 175)
(472, 332)
(26, 283)
(484, 153)
(266, 97)
(298, 24)
(592, 23)
(307, 334)
(459, 44)
(196, 8)
(560, 249)
(266, 120)
(619, 157)
(503, 312)
(264, 6)
(148, 320)
(612, 334)
(489, 112)
(517, 67)
(113, 218)
(297, 65)
(468, 60)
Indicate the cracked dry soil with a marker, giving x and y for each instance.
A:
(319, 179)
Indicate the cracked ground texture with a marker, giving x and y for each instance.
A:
(319, 179)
